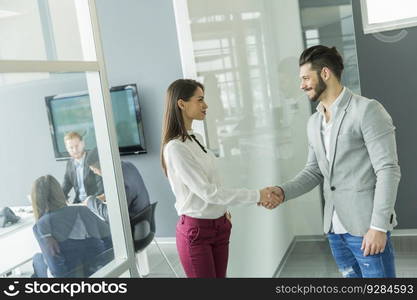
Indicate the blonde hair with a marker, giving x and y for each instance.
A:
(47, 196)
(72, 135)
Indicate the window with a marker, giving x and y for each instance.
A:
(384, 15)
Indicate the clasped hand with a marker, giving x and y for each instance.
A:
(271, 197)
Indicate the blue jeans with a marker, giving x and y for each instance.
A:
(39, 266)
(349, 258)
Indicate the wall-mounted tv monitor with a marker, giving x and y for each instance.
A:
(72, 112)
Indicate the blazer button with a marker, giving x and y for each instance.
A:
(332, 188)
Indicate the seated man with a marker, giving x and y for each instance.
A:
(136, 193)
(77, 174)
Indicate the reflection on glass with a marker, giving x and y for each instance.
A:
(136, 193)
(57, 230)
(331, 24)
(72, 113)
(125, 117)
(78, 175)
(246, 54)
(74, 241)
(252, 90)
(40, 30)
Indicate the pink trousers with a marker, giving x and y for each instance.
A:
(203, 246)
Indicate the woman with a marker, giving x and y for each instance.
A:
(74, 241)
(203, 229)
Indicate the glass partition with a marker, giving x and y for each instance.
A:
(246, 55)
(331, 24)
(42, 30)
(49, 48)
(60, 206)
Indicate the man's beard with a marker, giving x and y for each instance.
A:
(318, 90)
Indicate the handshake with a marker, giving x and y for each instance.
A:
(271, 197)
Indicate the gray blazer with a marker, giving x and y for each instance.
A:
(362, 178)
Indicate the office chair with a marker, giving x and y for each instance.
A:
(143, 233)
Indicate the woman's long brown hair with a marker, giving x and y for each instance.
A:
(173, 123)
(47, 196)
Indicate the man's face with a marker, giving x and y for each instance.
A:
(75, 148)
(311, 82)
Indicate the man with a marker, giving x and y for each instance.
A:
(352, 149)
(136, 193)
(77, 174)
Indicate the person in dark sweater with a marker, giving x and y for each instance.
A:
(137, 195)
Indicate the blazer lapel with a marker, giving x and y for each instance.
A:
(320, 147)
(343, 105)
(74, 173)
(86, 169)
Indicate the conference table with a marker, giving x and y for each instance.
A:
(18, 244)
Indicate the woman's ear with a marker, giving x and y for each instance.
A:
(181, 104)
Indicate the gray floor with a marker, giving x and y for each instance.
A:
(158, 266)
(313, 259)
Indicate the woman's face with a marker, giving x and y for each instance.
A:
(196, 107)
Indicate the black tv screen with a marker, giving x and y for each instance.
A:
(72, 112)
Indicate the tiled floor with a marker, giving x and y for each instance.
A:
(311, 259)
(314, 259)
(158, 266)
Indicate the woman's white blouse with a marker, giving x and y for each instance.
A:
(196, 184)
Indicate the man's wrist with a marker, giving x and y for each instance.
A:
(378, 229)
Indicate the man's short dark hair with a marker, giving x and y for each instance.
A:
(92, 159)
(321, 56)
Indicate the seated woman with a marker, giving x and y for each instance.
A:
(74, 241)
